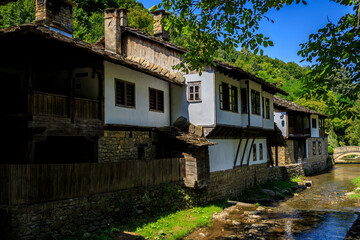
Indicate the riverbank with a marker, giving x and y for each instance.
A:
(175, 225)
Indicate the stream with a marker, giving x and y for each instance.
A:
(320, 212)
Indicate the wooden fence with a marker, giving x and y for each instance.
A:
(21, 184)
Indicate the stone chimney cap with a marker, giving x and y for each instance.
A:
(161, 11)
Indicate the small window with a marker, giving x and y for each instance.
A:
(314, 148)
(254, 153)
(320, 148)
(124, 94)
(267, 108)
(194, 92)
(261, 151)
(255, 102)
(228, 97)
(314, 123)
(244, 100)
(156, 100)
(263, 107)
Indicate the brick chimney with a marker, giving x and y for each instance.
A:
(56, 14)
(159, 30)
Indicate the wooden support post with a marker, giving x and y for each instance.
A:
(302, 125)
(276, 156)
(242, 158)
(30, 92)
(248, 102)
(251, 146)
(237, 151)
(270, 153)
(71, 96)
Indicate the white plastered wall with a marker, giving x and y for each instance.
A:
(314, 131)
(223, 154)
(280, 120)
(140, 115)
(198, 113)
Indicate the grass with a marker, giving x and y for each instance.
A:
(172, 225)
(297, 179)
(181, 223)
(356, 195)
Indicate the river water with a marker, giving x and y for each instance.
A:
(320, 212)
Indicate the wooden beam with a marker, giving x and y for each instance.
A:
(270, 152)
(252, 144)
(276, 156)
(242, 158)
(237, 151)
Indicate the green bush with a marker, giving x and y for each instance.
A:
(330, 150)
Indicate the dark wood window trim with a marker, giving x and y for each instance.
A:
(244, 100)
(156, 100)
(267, 108)
(254, 153)
(228, 98)
(125, 94)
(194, 92)
(261, 153)
(313, 123)
(255, 103)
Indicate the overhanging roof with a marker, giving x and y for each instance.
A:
(137, 64)
(281, 103)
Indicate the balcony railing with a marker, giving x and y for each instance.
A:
(299, 131)
(48, 104)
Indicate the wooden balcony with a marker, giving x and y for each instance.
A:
(48, 104)
(299, 132)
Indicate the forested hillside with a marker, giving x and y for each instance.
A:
(340, 102)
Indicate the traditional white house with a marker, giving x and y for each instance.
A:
(304, 131)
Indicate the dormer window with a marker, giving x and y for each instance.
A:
(194, 92)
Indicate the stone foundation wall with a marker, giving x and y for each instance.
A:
(127, 145)
(70, 217)
(231, 183)
(285, 154)
(295, 169)
(319, 160)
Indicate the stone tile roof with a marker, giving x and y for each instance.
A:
(185, 137)
(133, 63)
(225, 67)
(3, 2)
(291, 106)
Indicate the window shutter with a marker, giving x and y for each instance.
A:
(120, 93)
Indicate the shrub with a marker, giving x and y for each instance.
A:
(330, 150)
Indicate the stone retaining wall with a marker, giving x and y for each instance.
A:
(318, 159)
(53, 220)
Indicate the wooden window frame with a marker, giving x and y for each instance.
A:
(194, 85)
(261, 153)
(157, 91)
(314, 148)
(267, 108)
(125, 94)
(230, 100)
(254, 153)
(312, 123)
(255, 102)
(244, 100)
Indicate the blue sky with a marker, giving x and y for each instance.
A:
(293, 25)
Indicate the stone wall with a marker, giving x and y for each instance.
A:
(231, 183)
(127, 145)
(295, 169)
(69, 217)
(318, 160)
(285, 154)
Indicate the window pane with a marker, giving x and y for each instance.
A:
(160, 100)
(120, 93)
(244, 100)
(191, 89)
(261, 151)
(130, 95)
